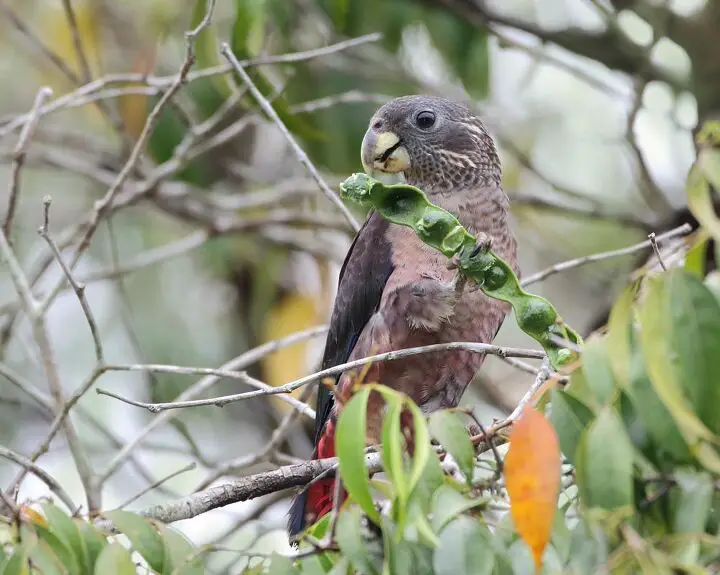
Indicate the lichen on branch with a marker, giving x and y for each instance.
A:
(409, 206)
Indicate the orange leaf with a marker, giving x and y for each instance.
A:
(532, 477)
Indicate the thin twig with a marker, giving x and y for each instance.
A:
(656, 249)
(249, 487)
(241, 375)
(240, 362)
(293, 385)
(77, 41)
(46, 51)
(299, 152)
(577, 262)
(19, 157)
(41, 474)
(161, 82)
(158, 483)
(40, 335)
(78, 288)
(103, 205)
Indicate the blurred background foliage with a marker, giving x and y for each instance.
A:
(593, 104)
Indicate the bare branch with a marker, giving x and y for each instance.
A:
(299, 152)
(46, 51)
(158, 483)
(656, 249)
(250, 487)
(577, 262)
(220, 373)
(162, 82)
(19, 157)
(77, 41)
(41, 474)
(293, 385)
(78, 288)
(102, 206)
(203, 385)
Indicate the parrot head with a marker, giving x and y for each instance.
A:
(432, 142)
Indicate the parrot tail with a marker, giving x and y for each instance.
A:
(317, 500)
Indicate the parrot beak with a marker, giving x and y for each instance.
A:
(384, 153)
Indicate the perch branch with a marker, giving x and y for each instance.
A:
(293, 385)
(577, 262)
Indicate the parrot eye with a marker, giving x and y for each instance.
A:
(425, 120)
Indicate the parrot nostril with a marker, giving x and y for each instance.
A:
(377, 124)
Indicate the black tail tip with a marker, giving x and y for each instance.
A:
(296, 517)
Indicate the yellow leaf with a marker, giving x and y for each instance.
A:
(32, 516)
(134, 107)
(532, 477)
(292, 313)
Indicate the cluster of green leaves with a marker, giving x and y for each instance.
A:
(56, 544)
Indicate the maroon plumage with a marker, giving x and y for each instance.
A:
(395, 292)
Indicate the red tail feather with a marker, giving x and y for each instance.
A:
(320, 493)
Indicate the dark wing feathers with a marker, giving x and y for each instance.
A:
(363, 275)
(362, 279)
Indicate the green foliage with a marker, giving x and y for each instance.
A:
(55, 544)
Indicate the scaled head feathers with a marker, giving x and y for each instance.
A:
(437, 144)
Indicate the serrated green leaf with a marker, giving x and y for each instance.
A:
(605, 463)
(570, 417)
(350, 447)
(446, 427)
(68, 532)
(464, 548)
(448, 504)
(114, 560)
(695, 341)
(350, 539)
(143, 537)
